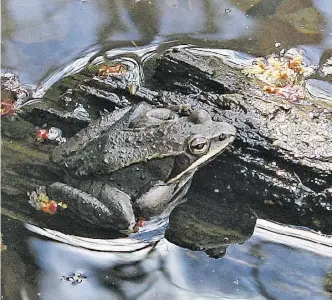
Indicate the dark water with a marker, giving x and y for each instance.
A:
(39, 39)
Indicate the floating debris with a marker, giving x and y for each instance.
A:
(74, 278)
(40, 201)
(41, 135)
(139, 224)
(136, 228)
(2, 245)
(8, 105)
(284, 74)
(7, 108)
(291, 93)
(125, 69)
(111, 70)
(14, 95)
(52, 134)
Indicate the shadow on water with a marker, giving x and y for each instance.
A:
(218, 244)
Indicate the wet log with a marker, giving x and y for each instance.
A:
(279, 167)
(299, 133)
(282, 160)
(228, 196)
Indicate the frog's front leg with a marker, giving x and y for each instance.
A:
(161, 198)
(108, 207)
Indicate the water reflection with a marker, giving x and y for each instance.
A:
(260, 268)
(50, 35)
(47, 35)
(106, 273)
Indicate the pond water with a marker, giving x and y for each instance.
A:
(226, 254)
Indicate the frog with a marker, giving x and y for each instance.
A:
(133, 162)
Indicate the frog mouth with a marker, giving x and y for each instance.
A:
(213, 152)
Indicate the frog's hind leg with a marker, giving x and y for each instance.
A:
(116, 214)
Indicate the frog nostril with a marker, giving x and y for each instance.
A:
(230, 135)
(223, 136)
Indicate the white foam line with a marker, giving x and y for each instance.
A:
(105, 245)
(294, 237)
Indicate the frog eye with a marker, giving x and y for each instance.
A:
(198, 145)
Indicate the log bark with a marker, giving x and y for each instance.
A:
(298, 133)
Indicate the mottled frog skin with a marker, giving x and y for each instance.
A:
(134, 161)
